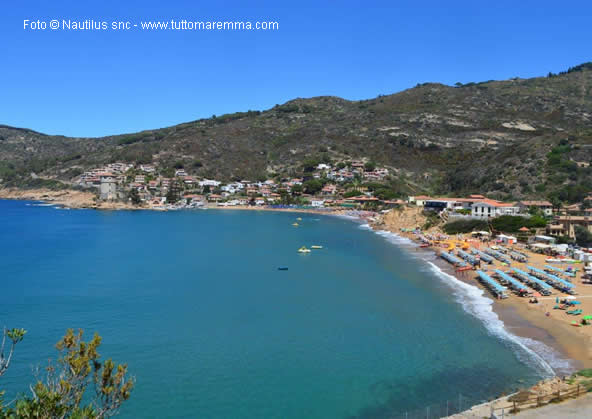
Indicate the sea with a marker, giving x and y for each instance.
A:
(193, 302)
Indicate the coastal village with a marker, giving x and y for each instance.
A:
(328, 187)
(532, 265)
(527, 255)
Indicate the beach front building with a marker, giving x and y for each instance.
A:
(108, 188)
(564, 225)
(488, 208)
(362, 199)
(544, 206)
(418, 200)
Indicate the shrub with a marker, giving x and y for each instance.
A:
(512, 224)
(465, 226)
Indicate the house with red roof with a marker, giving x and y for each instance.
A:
(489, 208)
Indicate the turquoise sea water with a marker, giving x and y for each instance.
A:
(194, 303)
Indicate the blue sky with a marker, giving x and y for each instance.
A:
(96, 83)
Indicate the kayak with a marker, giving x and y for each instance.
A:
(316, 247)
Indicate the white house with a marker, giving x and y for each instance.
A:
(207, 182)
(418, 200)
(545, 206)
(488, 208)
(317, 203)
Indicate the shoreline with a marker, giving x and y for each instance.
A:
(518, 318)
(525, 320)
(515, 322)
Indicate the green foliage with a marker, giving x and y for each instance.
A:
(350, 194)
(310, 164)
(134, 196)
(313, 186)
(432, 219)
(465, 226)
(7, 171)
(585, 373)
(370, 166)
(512, 224)
(61, 393)
(287, 108)
(583, 236)
(15, 336)
(130, 139)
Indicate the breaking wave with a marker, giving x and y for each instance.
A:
(473, 300)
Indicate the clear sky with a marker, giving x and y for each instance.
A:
(94, 83)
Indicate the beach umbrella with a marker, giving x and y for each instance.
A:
(587, 317)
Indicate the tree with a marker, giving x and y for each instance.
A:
(61, 393)
(172, 195)
(370, 166)
(135, 196)
(296, 189)
(15, 335)
(583, 236)
(313, 186)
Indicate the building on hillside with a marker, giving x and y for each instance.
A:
(108, 188)
(214, 197)
(488, 208)
(545, 206)
(329, 189)
(317, 203)
(208, 182)
(394, 203)
(147, 168)
(418, 200)
(564, 225)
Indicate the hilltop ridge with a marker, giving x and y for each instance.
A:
(511, 139)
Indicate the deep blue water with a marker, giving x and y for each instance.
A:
(194, 303)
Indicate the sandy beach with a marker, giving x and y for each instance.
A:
(519, 316)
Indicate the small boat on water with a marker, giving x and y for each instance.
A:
(303, 249)
(295, 224)
(316, 246)
(298, 219)
(282, 268)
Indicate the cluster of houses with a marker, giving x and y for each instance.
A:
(563, 220)
(115, 180)
(480, 206)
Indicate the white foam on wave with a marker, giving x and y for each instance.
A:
(395, 238)
(474, 302)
